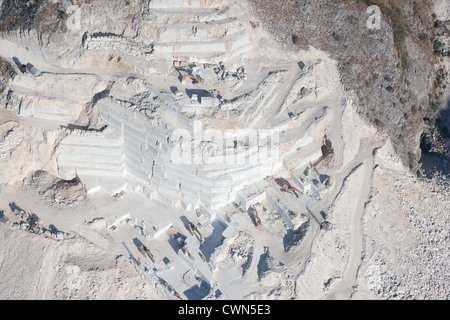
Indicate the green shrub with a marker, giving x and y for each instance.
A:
(435, 106)
(296, 40)
(423, 37)
(437, 46)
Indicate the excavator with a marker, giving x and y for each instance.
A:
(288, 188)
(197, 80)
(144, 250)
(182, 66)
(256, 218)
(192, 228)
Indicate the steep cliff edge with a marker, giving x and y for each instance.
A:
(392, 67)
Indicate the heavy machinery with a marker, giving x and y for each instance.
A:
(22, 214)
(325, 225)
(176, 294)
(196, 80)
(36, 227)
(288, 188)
(256, 219)
(192, 228)
(186, 251)
(185, 71)
(144, 250)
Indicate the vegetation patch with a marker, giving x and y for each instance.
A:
(24, 15)
(440, 84)
(7, 73)
(398, 25)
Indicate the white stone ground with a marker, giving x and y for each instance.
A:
(388, 233)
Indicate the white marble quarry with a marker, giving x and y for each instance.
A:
(116, 42)
(139, 148)
(11, 141)
(186, 147)
(49, 109)
(189, 111)
(175, 4)
(202, 31)
(148, 232)
(45, 96)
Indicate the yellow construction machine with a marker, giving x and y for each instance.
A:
(197, 80)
